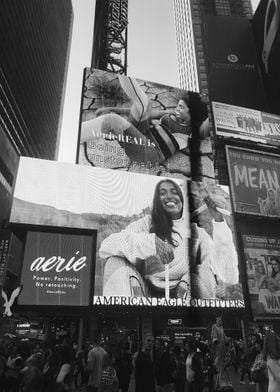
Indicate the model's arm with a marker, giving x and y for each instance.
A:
(156, 114)
(111, 109)
(136, 243)
(226, 259)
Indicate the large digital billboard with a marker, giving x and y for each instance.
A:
(262, 255)
(57, 269)
(266, 29)
(141, 126)
(255, 181)
(148, 250)
(246, 124)
(234, 74)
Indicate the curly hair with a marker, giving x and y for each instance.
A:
(162, 224)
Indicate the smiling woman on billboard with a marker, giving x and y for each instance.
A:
(150, 257)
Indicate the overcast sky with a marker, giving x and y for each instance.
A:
(151, 56)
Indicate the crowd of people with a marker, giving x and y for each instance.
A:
(200, 364)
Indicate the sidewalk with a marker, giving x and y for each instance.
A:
(235, 382)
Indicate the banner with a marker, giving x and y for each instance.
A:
(234, 75)
(255, 181)
(246, 124)
(148, 253)
(262, 254)
(140, 126)
(266, 29)
(56, 269)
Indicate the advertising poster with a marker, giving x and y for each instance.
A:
(247, 124)
(266, 29)
(214, 259)
(147, 252)
(145, 127)
(255, 181)
(56, 269)
(262, 256)
(234, 75)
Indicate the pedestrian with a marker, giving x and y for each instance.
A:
(194, 369)
(33, 378)
(94, 366)
(124, 366)
(108, 379)
(165, 369)
(259, 370)
(180, 375)
(144, 367)
(272, 355)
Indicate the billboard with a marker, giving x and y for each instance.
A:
(213, 249)
(56, 269)
(140, 126)
(262, 255)
(255, 181)
(234, 75)
(266, 29)
(246, 124)
(147, 251)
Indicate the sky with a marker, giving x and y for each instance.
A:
(151, 56)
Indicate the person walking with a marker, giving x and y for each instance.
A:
(271, 353)
(144, 367)
(94, 366)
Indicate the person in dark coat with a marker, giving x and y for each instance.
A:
(144, 367)
(124, 366)
(194, 369)
(165, 369)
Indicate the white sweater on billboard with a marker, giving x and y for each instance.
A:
(135, 243)
(218, 256)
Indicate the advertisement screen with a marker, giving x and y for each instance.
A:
(213, 250)
(246, 124)
(56, 269)
(255, 181)
(145, 127)
(266, 29)
(148, 250)
(234, 75)
(262, 256)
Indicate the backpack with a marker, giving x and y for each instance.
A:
(108, 376)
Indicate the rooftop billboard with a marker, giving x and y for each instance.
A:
(141, 126)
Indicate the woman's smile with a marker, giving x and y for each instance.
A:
(170, 200)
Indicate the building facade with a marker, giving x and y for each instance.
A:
(191, 45)
(35, 38)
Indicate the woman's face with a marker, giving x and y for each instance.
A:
(261, 268)
(170, 200)
(275, 265)
(182, 112)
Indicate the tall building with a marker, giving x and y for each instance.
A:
(191, 45)
(34, 45)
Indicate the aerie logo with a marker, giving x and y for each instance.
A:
(58, 263)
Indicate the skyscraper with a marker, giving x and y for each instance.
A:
(191, 45)
(34, 46)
